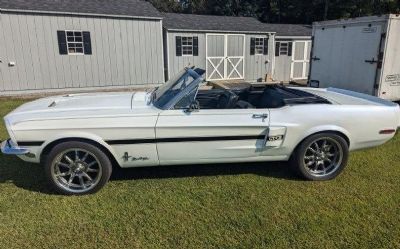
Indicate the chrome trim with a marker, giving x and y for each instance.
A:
(9, 149)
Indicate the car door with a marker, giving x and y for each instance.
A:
(218, 135)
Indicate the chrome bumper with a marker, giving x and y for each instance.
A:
(9, 149)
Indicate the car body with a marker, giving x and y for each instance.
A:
(141, 129)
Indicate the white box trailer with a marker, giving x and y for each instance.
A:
(359, 54)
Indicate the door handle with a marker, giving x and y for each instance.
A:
(371, 61)
(260, 116)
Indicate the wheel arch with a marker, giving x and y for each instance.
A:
(332, 131)
(48, 147)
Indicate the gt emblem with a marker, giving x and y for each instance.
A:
(127, 157)
(275, 138)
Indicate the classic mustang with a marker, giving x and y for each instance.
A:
(80, 137)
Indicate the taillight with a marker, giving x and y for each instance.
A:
(387, 131)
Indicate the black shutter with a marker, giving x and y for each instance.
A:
(195, 46)
(290, 48)
(87, 43)
(252, 46)
(277, 48)
(178, 45)
(265, 51)
(62, 42)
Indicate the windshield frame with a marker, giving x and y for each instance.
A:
(197, 79)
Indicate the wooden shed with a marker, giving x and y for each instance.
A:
(228, 48)
(236, 48)
(48, 45)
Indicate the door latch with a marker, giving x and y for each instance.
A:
(371, 61)
(260, 116)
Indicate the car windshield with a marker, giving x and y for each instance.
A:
(165, 93)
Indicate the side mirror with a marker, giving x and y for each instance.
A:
(193, 107)
(313, 83)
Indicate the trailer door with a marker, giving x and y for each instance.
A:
(346, 57)
(390, 78)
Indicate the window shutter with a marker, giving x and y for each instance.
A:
(62, 42)
(290, 48)
(87, 43)
(178, 45)
(252, 46)
(277, 48)
(195, 46)
(265, 51)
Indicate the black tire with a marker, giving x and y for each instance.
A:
(303, 157)
(56, 164)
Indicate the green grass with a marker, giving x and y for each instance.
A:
(213, 206)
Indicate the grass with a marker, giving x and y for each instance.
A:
(214, 206)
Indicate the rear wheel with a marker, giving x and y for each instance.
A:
(321, 157)
(77, 168)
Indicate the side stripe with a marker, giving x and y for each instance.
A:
(30, 143)
(163, 140)
(183, 139)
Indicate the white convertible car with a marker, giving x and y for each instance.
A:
(79, 137)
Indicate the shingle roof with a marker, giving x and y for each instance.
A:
(289, 29)
(231, 23)
(214, 23)
(135, 8)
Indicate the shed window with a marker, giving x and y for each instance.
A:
(187, 46)
(284, 48)
(259, 46)
(74, 42)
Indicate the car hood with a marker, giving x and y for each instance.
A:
(83, 105)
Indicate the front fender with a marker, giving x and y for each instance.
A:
(68, 135)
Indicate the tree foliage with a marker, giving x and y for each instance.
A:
(282, 11)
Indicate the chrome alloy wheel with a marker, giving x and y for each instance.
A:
(323, 157)
(76, 170)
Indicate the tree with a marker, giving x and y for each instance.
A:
(282, 11)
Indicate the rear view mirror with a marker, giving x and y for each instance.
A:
(193, 107)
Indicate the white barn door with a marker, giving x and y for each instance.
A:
(225, 56)
(300, 60)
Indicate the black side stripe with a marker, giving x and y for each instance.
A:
(183, 139)
(30, 143)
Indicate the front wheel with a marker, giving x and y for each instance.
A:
(77, 168)
(321, 157)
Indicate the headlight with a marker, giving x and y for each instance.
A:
(9, 130)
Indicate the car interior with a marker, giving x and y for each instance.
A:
(255, 97)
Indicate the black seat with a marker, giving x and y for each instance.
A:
(271, 98)
(227, 100)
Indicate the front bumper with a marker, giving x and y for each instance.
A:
(8, 148)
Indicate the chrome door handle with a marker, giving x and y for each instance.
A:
(262, 116)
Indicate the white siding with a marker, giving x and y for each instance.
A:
(124, 52)
(177, 63)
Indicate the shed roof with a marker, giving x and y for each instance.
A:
(131, 8)
(174, 21)
(289, 29)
